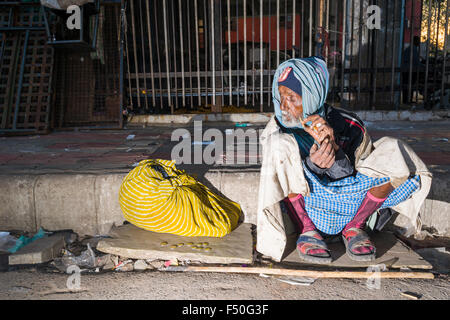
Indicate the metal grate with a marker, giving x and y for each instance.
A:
(26, 71)
(88, 82)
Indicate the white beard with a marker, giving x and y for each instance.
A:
(289, 120)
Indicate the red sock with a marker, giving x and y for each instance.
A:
(366, 209)
(299, 207)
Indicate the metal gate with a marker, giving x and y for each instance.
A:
(220, 55)
(88, 77)
(26, 63)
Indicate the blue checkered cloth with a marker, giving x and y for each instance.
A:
(333, 204)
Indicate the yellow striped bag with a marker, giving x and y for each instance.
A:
(156, 196)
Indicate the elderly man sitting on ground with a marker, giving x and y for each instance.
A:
(320, 167)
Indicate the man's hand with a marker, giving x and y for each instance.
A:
(320, 130)
(323, 157)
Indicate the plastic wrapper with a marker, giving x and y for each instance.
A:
(7, 241)
(86, 259)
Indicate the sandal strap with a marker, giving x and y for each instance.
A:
(317, 244)
(361, 239)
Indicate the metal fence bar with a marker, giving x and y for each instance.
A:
(344, 36)
(386, 20)
(411, 50)
(167, 56)
(238, 84)
(205, 45)
(285, 27)
(174, 47)
(253, 51)
(230, 101)
(393, 52)
(352, 23)
(269, 67)
(360, 24)
(302, 25)
(128, 66)
(141, 25)
(189, 52)
(310, 26)
(135, 53)
(418, 67)
(445, 53)
(213, 58)
(245, 52)
(221, 54)
(158, 53)
(182, 51)
(278, 32)
(122, 33)
(400, 48)
(293, 28)
(374, 63)
(149, 34)
(327, 24)
(369, 78)
(197, 50)
(427, 64)
(438, 15)
(261, 36)
(336, 28)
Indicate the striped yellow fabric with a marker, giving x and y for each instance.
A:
(156, 196)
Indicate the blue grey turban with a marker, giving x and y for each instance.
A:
(313, 75)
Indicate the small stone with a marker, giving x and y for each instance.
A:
(173, 246)
(205, 243)
(189, 243)
(156, 264)
(140, 265)
(164, 243)
(180, 244)
(127, 267)
(208, 249)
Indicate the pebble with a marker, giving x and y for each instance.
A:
(189, 243)
(156, 264)
(180, 244)
(126, 267)
(208, 249)
(164, 243)
(173, 246)
(140, 265)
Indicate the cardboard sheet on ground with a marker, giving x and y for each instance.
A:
(135, 243)
(390, 251)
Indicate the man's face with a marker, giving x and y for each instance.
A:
(291, 107)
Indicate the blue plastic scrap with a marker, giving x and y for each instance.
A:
(23, 241)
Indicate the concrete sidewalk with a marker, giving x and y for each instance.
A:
(70, 180)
